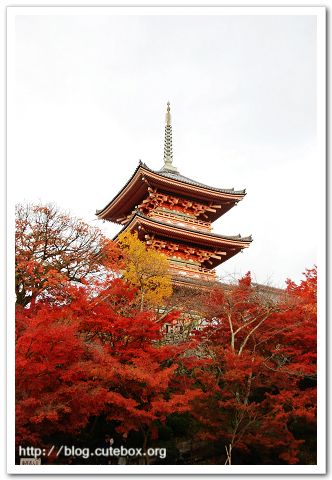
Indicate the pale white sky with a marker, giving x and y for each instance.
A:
(91, 94)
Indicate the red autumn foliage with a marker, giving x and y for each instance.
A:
(84, 349)
(84, 358)
(260, 350)
(53, 248)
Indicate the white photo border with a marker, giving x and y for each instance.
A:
(320, 13)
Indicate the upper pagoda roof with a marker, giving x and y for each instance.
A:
(181, 178)
(137, 189)
(169, 181)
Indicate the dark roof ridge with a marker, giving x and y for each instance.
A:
(181, 178)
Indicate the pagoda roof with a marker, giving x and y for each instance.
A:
(181, 178)
(169, 181)
(197, 238)
(140, 218)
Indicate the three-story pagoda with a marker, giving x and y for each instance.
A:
(174, 214)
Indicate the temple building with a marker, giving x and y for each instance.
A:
(174, 214)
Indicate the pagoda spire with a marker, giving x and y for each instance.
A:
(168, 148)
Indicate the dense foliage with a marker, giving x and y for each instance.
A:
(92, 356)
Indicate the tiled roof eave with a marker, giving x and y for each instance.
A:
(182, 179)
(237, 241)
(193, 186)
(98, 212)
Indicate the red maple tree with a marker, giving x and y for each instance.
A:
(260, 349)
(85, 347)
(85, 358)
(53, 248)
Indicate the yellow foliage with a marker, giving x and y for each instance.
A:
(145, 269)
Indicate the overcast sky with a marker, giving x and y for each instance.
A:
(91, 95)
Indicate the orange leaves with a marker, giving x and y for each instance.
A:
(307, 287)
(84, 358)
(263, 362)
(53, 249)
(91, 344)
(245, 282)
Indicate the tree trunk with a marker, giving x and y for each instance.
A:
(229, 454)
(145, 447)
(142, 301)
